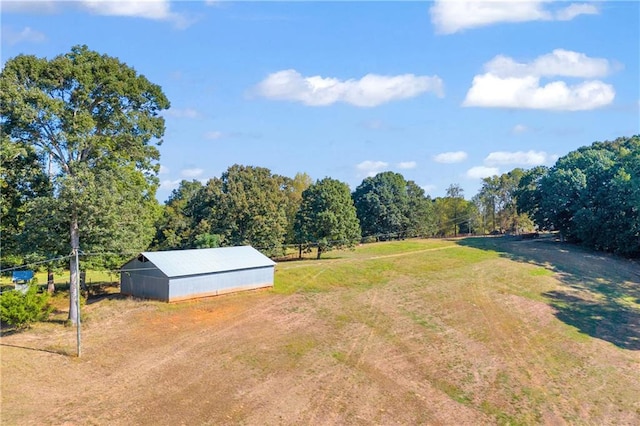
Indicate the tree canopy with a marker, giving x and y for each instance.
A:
(252, 208)
(96, 120)
(454, 214)
(22, 179)
(175, 228)
(245, 205)
(591, 195)
(497, 203)
(327, 216)
(389, 206)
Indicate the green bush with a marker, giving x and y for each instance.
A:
(369, 239)
(22, 309)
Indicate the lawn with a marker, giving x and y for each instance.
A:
(468, 331)
(62, 277)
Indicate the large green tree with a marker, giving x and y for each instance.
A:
(250, 208)
(388, 206)
(529, 193)
(381, 203)
(22, 179)
(421, 220)
(327, 217)
(246, 205)
(97, 120)
(293, 189)
(175, 226)
(591, 196)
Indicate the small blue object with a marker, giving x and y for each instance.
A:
(22, 276)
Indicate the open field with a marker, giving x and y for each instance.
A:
(472, 331)
(61, 278)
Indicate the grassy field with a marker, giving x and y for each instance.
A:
(61, 278)
(469, 331)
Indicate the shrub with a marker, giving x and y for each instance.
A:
(22, 309)
(369, 239)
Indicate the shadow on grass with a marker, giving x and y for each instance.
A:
(601, 293)
(60, 352)
(8, 330)
(95, 298)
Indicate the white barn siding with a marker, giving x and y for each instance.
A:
(219, 283)
(144, 280)
(185, 274)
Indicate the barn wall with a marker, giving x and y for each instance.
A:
(219, 283)
(144, 280)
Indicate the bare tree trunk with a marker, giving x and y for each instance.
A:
(51, 287)
(493, 215)
(74, 279)
(319, 251)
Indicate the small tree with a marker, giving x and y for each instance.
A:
(22, 309)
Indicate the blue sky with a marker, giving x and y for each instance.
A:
(443, 92)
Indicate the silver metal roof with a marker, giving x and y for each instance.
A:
(177, 263)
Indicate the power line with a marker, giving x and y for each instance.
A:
(35, 263)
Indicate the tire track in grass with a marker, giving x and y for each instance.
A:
(338, 385)
(357, 351)
(505, 340)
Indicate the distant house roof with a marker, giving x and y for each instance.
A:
(177, 263)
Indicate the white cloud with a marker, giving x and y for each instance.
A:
(159, 10)
(191, 173)
(450, 17)
(26, 35)
(150, 9)
(369, 91)
(213, 135)
(490, 91)
(508, 84)
(163, 170)
(559, 62)
(529, 158)
(405, 165)
(184, 113)
(450, 157)
(169, 185)
(576, 9)
(480, 172)
(519, 129)
(371, 168)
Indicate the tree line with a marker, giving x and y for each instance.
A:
(591, 196)
(79, 163)
(251, 205)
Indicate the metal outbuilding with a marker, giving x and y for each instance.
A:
(186, 274)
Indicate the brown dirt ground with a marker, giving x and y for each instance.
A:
(451, 350)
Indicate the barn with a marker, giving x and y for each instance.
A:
(176, 275)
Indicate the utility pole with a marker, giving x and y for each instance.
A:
(79, 335)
